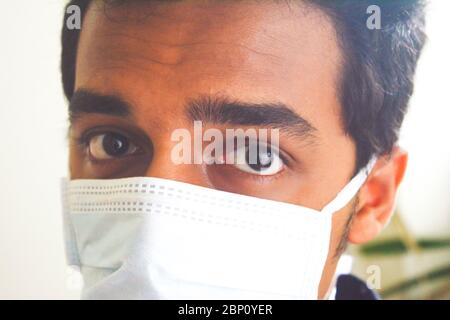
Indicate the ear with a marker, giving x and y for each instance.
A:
(377, 197)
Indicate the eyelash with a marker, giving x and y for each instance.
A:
(261, 178)
(85, 138)
(83, 141)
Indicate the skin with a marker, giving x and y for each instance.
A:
(182, 50)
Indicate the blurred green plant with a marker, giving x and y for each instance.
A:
(398, 246)
(436, 274)
(404, 244)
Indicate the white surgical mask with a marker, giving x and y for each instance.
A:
(152, 238)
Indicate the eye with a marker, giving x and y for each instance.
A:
(258, 159)
(110, 145)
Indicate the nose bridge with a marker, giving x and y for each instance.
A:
(162, 166)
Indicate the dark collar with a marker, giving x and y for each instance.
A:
(349, 287)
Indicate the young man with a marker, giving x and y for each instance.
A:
(335, 86)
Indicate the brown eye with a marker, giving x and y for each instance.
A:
(110, 145)
(266, 160)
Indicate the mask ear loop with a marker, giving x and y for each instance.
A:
(350, 190)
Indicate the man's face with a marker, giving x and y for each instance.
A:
(158, 57)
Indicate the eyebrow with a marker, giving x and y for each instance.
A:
(222, 110)
(212, 109)
(85, 101)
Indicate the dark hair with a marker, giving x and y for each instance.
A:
(378, 68)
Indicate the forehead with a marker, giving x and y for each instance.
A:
(265, 50)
